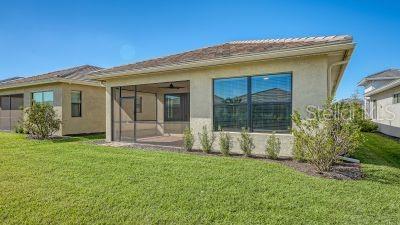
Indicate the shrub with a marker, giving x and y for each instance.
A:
(353, 111)
(41, 121)
(246, 142)
(206, 140)
(273, 147)
(299, 151)
(225, 143)
(325, 136)
(367, 125)
(19, 127)
(188, 139)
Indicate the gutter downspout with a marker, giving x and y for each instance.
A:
(330, 74)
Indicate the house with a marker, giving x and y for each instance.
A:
(382, 100)
(78, 100)
(254, 84)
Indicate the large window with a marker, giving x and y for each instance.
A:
(46, 97)
(176, 107)
(258, 103)
(76, 103)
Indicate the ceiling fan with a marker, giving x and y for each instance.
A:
(171, 86)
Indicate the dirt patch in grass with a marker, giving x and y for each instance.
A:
(340, 171)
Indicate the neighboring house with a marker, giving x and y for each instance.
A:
(382, 100)
(78, 100)
(242, 84)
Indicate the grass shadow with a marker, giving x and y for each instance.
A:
(79, 137)
(382, 174)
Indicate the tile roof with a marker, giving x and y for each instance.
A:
(229, 49)
(10, 79)
(78, 73)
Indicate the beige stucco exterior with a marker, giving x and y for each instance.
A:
(93, 105)
(309, 87)
(388, 113)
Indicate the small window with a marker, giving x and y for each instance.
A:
(5, 103)
(396, 98)
(43, 97)
(176, 107)
(76, 104)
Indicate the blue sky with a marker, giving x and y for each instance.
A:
(42, 36)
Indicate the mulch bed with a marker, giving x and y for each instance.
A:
(340, 171)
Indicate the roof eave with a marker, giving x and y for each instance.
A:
(362, 82)
(284, 53)
(49, 81)
(365, 80)
(384, 88)
(347, 58)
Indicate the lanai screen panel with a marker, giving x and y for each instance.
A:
(11, 111)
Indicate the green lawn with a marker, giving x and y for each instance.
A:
(75, 182)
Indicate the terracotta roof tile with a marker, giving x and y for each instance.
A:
(76, 73)
(234, 48)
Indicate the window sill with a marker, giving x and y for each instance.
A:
(259, 133)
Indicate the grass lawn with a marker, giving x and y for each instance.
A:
(75, 182)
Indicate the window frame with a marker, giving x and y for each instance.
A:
(165, 106)
(74, 103)
(249, 126)
(396, 98)
(42, 93)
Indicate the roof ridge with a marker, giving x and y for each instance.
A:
(282, 40)
(73, 70)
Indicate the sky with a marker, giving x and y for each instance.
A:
(42, 36)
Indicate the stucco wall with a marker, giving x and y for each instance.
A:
(388, 114)
(93, 106)
(27, 91)
(93, 110)
(149, 101)
(309, 88)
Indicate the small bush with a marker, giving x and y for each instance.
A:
(206, 140)
(225, 143)
(41, 121)
(299, 151)
(188, 139)
(273, 147)
(19, 128)
(367, 125)
(246, 142)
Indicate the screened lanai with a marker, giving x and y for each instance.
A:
(154, 114)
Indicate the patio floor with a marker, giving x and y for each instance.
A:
(171, 141)
(161, 142)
